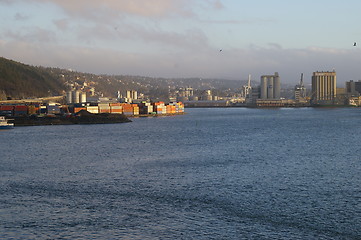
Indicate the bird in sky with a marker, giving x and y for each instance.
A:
(354, 44)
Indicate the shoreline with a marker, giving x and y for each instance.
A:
(82, 118)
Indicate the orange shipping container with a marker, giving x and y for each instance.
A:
(78, 109)
(116, 107)
(114, 104)
(118, 111)
(32, 109)
(104, 110)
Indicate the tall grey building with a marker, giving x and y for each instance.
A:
(270, 86)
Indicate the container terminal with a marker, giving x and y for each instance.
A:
(81, 113)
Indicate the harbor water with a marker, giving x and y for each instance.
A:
(226, 173)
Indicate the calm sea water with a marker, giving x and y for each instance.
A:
(210, 174)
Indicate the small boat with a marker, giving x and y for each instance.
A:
(4, 124)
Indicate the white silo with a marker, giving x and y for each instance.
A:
(264, 87)
(69, 97)
(76, 96)
(82, 97)
(134, 95)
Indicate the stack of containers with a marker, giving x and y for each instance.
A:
(64, 109)
(42, 109)
(179, 106)
(52, 109)
(20, 110)
(135, 109)
(104, 108)
(145, 108)
(149, 109)
(77, 109)
(6, 110)
(93, 109)
(127, 109)
(169, 109)
(160, 108)
(33, 109)
(116, 108)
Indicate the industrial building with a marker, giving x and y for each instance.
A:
(300, 91)
(323, 87)
(76, 96)
(270, 86)
(353, 88)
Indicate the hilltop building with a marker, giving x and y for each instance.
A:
(270, 86)
(323, 87)
(185, 94)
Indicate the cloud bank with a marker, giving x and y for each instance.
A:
(159, 38)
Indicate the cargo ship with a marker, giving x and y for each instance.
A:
(4, 124)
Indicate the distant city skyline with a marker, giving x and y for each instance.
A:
(186, 38)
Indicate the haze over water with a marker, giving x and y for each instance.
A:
(231, 173)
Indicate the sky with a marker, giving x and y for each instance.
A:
(227, 39)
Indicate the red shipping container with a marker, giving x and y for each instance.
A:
(21, 108)
(7, 108)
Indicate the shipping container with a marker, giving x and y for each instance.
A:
(92, 109)
(21, 108)
(32, 109)
(78, 109)
(146, 109)
(104, 108)
(114, 104)
(128, 113)
(116, 110)
(20, 113)
(6, 113)
(42, 109)
(136, 110)
(53, 109)
(7, 108)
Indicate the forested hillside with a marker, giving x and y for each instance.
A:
(18, 80)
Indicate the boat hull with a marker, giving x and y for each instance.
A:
(6, 127)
